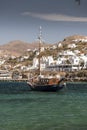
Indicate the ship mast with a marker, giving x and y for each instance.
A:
(40, 41)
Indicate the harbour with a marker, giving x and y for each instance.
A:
(34, 110)
(13, 80)
(43, 65)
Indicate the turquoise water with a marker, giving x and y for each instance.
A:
(30, 110)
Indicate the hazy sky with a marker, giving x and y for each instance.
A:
(20, 19)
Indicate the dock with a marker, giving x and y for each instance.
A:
(13, 80)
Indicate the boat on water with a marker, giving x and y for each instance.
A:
(46, 83)
(43, 82)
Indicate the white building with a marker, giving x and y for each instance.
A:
(84, 58)
(60, 44)
(74, 60)
(44, 61)
(66, 53)
(2, 61)
(61, 60)
(72, 45)
(4, 74)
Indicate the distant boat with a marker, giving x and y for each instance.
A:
(43, 83)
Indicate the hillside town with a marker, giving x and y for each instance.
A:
(68, 57)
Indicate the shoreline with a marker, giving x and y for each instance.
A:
(77, 79)
(13, 80)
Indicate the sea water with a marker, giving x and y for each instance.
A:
(28, 110)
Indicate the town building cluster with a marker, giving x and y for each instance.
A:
(70, 59)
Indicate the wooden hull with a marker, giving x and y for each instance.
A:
(48, 88)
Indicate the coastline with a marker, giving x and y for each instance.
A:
(70, 79)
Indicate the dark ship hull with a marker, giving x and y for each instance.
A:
(48, 88)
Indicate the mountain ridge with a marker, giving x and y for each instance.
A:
(18, 47)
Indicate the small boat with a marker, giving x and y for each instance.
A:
(43, 83)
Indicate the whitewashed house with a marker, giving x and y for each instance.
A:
(42, 49)
(49, 60)
(4, 74)
(84, 58)
(76, 52)
(44, 61)
(35, 62)
(72, 45)
(66, 53)
(75, 62)
(64, 56)
(61, 60)
(81, 40)
(54, 47)
(25, 57)
(59, 44)
(2, 61)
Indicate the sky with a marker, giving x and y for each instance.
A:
(21, 19)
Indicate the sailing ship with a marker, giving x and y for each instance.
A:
(43, 83)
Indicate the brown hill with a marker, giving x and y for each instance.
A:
(17, 47)
(14, 47)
